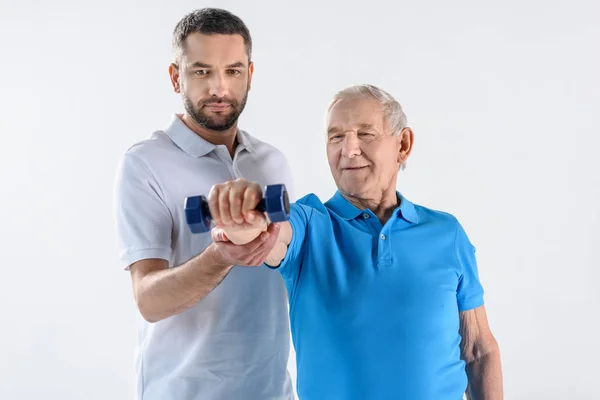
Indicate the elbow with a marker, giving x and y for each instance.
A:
(483, 351)
(149, 317)
(146, 310)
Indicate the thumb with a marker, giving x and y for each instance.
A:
(218, 235)
(274, 229)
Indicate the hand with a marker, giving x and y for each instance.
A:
(233, 203)
(253, 253)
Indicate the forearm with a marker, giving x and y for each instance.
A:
(485, 377)
(166, 292)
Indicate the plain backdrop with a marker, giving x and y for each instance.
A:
(503, 98)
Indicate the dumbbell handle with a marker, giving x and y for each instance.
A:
(275, 203)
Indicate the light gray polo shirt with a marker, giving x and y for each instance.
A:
(233, 344)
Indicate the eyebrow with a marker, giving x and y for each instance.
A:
(335, 129)
(199, 64)
(366, 126)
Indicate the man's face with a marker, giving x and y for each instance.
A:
(213, 78)
(364, 158)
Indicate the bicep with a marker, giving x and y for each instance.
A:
(476, 336)
(469, 293)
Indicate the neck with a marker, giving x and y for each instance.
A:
(228, 138)
(382, 204)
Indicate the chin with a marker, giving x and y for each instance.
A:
(353, 189)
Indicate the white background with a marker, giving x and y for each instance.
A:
(503, 97)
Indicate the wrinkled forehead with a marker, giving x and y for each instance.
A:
(355, 112)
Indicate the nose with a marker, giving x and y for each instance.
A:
(350, 146)
(217, 85)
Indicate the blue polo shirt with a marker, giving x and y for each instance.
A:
(375, 308)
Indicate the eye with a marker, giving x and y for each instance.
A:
(334, 138)
(366, 135)
(201, 72)
(234, 72)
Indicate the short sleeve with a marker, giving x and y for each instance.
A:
(470, 291)
(143, 221)
(291, 264)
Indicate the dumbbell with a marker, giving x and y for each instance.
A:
(275, 203)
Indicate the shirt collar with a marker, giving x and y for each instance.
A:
(348, 211)
(190, 142)
(244, 141)
(407, 210)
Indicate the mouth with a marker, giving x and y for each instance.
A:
(355, 168)
(217, 107)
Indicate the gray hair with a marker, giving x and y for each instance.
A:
(393, 115)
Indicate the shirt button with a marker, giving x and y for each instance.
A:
(366, 216)
(382, 236)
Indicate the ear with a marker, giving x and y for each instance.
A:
(406, 138)
(174, 75)
(250, 74)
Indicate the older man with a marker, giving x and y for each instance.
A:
(385, 297)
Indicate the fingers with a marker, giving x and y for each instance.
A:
(274, 229)
(252, 196)
(266, 247)
(265, 242)
(224, 207)
(219, 235)
(253, 253)
(233, 202)
(213, 203)
(236, 196)
(255, 218)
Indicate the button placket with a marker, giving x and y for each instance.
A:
(223, 155)
(384, 249)
(236, 170)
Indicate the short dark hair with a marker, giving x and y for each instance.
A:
(209, 21)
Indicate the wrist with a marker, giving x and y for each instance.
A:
(215, 260)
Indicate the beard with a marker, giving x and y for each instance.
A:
(216, 123)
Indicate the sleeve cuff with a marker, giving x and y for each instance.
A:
(470, 303)
(131, 256)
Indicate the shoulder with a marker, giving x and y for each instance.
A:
(262, 148)
(311, 201)
(445, 223)
(431, 215)
(147, 156)
(440, 222)
(308, 208)
(147, 149)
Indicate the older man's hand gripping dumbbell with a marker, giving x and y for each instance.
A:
(244, 214)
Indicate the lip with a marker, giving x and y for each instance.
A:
(354, 168)
(217, 107)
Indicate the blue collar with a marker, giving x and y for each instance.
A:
(188, 141)
(348, 211)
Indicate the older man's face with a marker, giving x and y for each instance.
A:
(364, 158)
